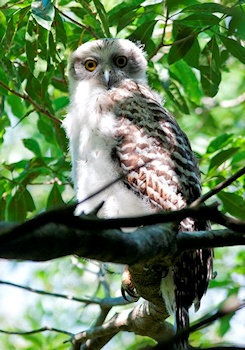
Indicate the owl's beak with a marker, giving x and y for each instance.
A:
(107, 78)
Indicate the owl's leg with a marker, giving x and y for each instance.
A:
(128, 287)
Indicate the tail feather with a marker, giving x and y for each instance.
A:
(182, 323)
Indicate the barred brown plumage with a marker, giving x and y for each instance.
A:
(116, 124)
(169, 178)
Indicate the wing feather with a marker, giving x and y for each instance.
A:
(156, 156)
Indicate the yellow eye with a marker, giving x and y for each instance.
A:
(120, 61)
(90, 65)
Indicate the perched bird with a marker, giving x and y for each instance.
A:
(117, 125)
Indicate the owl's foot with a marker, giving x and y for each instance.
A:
(128, 290)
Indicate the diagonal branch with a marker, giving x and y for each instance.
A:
(89, 29)
(218, 188)
(144, 319)
(230, 306)
(26, 97)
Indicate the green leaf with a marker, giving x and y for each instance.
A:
(16, 210)
(92, 22)
(221, 157)
(61, 137)
(173, 5)
(37, 49)
(123, 13)
(16, 105)
(192, 55)
(12, 29)
(54, 198)
(208, 8)
(45, 127)
(144, 31)
(33, 146)
(176, 96)
(43, 13)
(183, 42)
(236, 24)
(57, 42)
(210, 80)
(225, 324)
(233, 204)
(103, 17)
(2, 24)
(4, 122)
(199, 20)
(239, 158)
(234, 48)
(4, 79)
(210, 68)
(30, 205)
(37, 90)
(15, 166)
(186, 77)
(60, 102)
(125, 19)
(33, 169)
(219, 142)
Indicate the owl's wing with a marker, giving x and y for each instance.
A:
(159, 164)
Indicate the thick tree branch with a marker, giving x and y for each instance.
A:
(58, 233)
(55, 240)
(145, 319)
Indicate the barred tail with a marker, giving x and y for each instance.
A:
(182, 323)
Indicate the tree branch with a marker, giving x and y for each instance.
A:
(144, 319)
(230, 306)
(34, 331)
(105, 303)
(26, 97)
(218, 188)
(89, 29)
(59, 233)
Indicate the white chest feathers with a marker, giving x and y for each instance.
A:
(90, 126)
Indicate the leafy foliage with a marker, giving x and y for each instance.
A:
(196, 57)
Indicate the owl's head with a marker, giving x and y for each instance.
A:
(107, 62)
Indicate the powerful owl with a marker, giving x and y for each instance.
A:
(117, 125)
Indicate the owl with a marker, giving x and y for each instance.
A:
(116, 125)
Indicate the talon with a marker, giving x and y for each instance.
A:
(127, 288)
(134, 296)
(123, 291)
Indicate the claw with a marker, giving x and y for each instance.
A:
(134, 296)
(127, 288)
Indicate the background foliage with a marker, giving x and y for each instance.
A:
(196, 61)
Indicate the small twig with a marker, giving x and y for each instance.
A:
(161, 44)
(218, 188)
(106, 303)
(89, 29)
(39, 330)
(29, 99)
(230, 306)
(4, 7)
(234, 102)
